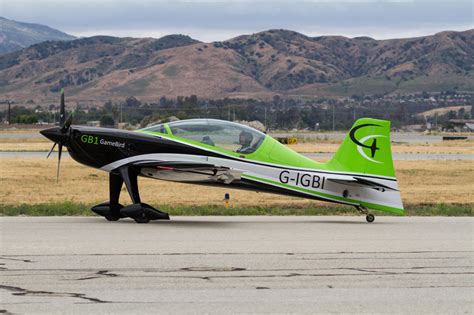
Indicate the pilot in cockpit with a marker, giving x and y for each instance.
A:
(245, 141)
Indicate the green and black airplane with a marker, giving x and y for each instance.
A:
(218, 152)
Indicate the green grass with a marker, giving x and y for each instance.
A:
(381, 85)
(438, 83)
(170, 71)
(364, 85)
(135, 87)
(80, 209)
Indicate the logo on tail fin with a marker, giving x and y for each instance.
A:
(361, 142)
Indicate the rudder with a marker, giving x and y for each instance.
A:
(366, 149)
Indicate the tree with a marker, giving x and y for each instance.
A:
(163, 101)
(132, 102)
(26, 119)
(193, 100)
(106, 121)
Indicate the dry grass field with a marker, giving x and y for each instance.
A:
(32, 181)
(319, 146)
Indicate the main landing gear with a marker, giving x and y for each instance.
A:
(368, 216)
(139, 211)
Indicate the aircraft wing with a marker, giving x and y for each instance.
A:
(358, 181)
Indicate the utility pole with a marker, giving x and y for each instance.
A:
(333, 116)
(233, 111)
(228, 112)
(9, 113)
(266, 127)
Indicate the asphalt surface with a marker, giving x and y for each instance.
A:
(237, 264)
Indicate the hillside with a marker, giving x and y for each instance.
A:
(259, 65)
(17, 35)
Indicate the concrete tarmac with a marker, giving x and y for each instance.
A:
(237, 264)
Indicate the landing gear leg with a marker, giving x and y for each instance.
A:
(115, 185)
(129, 176)
(140, 212)
(111, 210)
(368, 216)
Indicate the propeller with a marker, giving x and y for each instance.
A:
(64, 129)
(51, 151)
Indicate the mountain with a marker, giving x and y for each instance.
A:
(260, 65)
(17, 35)
(288, 61)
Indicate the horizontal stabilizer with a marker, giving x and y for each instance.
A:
(361, 182)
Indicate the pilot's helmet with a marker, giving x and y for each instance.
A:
(245, 138)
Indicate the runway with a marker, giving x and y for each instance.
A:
(237, 264)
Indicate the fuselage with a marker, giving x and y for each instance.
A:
(168, 154)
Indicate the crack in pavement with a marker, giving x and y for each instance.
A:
(15, 259)
(107, 273)
(288, 272)
(248, 253)
(370, 271)
(295, 274)
(383, 258)
(211, 269)
(100, 274)
(24, 292)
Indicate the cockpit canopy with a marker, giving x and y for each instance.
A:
(219, 133)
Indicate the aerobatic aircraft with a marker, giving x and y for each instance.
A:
(218, 152)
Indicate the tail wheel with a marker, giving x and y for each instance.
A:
(370, 218)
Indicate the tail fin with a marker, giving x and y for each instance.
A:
(366, 149)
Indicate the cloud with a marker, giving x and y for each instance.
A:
(219, 20)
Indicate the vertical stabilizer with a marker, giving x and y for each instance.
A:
(366, 149)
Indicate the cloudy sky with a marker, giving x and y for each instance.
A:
(213, 20)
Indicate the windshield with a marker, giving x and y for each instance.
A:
(218, 133)
(157, 128)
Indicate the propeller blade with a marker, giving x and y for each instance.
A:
(60, 149)
(62, 109)
(67, 124)
(51, 151)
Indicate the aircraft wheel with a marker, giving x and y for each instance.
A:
(141, 219)
(112, 218)
(370, 218)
